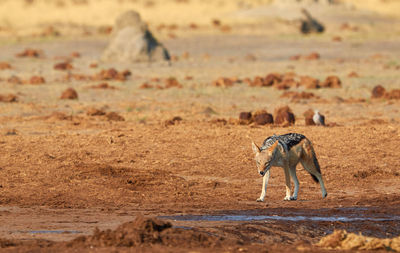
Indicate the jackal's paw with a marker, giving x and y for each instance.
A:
(293, 198)
(288, 198)
(260, 200)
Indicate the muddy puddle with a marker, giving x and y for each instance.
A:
(351, 214)
(50, 232)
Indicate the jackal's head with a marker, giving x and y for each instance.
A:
(265, 158)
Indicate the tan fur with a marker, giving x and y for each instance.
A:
(277, 156)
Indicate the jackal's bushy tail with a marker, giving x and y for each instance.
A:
(316, 164)
(311, 155)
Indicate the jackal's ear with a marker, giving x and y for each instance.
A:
(256, 149)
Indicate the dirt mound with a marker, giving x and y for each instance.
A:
(293, 95)
(262, 117)
(144, 232)
(8, 98)
(69, 93)
(132, 41)
(342, 240)
(309, 114)
(284, 116)
(332, 82)
(380, 92)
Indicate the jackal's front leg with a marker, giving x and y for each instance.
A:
(264, 187)
(287, 181)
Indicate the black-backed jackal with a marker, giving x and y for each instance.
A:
(287, 151)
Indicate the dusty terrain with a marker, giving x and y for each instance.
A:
(74, 172)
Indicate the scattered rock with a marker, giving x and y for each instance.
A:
(132, 41)
(295, 57)
(5, 65)
(93, 65)
(250, 57)
(37, 80)
(309, 82)
(113, 116)
(175, 120)
(284, 116)
(9, 98)
(393, 94)
(171, 82)
(9, 132)
(75, 55)
(95, 112)
(378, 91)
(262, 117)
(112, 74)
(29, 52)
(337, 39)
(63, 66)
(245, 116)
(309, 114)
(294, 95)
(69, 93)
(312, 56)
(104, 86)
(14, 80)
(146, 86)
(332, 82)
(223, 82)
(353, 74)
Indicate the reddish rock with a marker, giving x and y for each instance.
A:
(175, 120)
(103, 86)
(69, 93)
(93, 65)
(337, 38)
(272, 79)
(223, 82)
(172, 83)
(37, 80)
(250, 57)
(29, 52)
(113, 116)
(4, 65)
(8, 98)
(245, 116)
(95, 112)
(63, 66)
(298, 95)
(312, 56)
(309, 114)
(262, 117)
(284, 116)
(309, 82)
(75, 54)
(146, 86)
(353, 74)
(295, 57)
(393, 94)
(112, 74)
(14, 80)
(332, 82)
(378, 92)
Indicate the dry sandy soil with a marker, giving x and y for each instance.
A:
(73, 181)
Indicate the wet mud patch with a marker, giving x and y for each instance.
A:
(277, 225)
